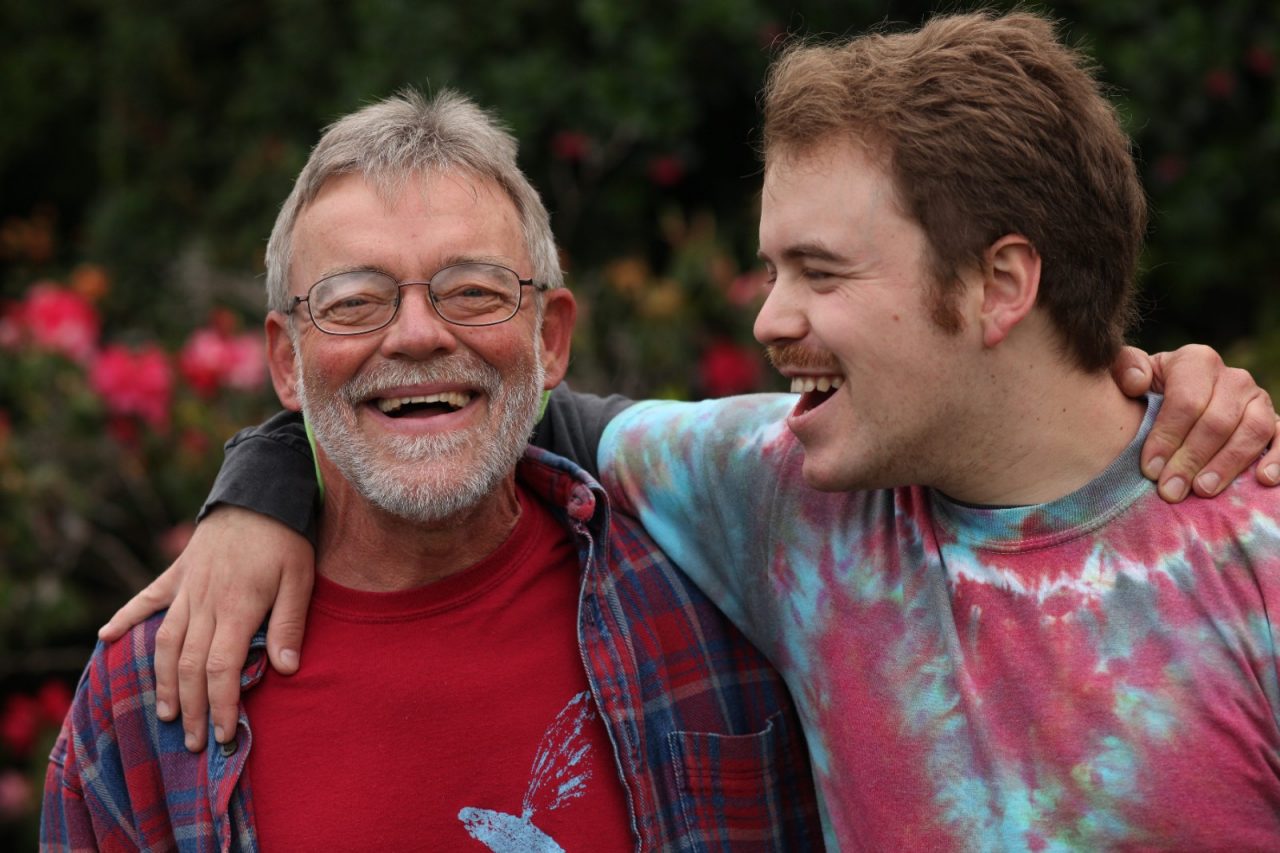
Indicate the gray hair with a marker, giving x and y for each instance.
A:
(397, 138)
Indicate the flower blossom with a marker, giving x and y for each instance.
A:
(135, 382)
(727, 368)
(212, 359)
(59, 320)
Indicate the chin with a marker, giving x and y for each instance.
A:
(825, 478)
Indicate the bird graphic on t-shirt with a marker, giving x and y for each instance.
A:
(559, 776)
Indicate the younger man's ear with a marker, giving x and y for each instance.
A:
(559, 312)
(281, 360)
(1011, 282)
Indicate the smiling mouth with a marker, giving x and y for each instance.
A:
(427, 405)
(814, 391)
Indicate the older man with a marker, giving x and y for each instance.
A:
(494, 660)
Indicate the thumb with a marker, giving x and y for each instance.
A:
(288, 621)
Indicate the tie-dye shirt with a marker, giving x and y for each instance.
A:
(1098, 672)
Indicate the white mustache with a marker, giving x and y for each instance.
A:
(463, 370)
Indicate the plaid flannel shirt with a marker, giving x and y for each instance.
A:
(706, 739)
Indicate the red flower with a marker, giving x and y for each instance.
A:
(211, 359)
(570, 145)
(60, 320)
(20, 723)
(135, 382)
(54, 700)
(666, 171)
(727, 368)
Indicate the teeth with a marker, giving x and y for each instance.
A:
(805, 384)
(454, 399)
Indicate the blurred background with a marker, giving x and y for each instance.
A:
(146, 147)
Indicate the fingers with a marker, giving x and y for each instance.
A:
(1269, 465)
(1132, 371)
(169, 639)
(1193, 370)
(156, 596)
(227, 654)
(289, 618)
(192, 692)
(1225, 437)
(1256, 428)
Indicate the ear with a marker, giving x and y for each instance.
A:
(1011, 282)
(281, 358)
(559, 312)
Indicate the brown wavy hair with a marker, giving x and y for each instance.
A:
(989, 125)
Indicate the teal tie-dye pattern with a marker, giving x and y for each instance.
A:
(1093, 673)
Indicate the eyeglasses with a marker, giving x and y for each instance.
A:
(353, 303)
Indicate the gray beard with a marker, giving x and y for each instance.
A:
(425, 483)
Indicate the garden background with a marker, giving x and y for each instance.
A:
(147, 145)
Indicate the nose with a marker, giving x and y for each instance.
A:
(781, 319)
(417, 331)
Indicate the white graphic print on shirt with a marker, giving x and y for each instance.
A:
(560, 774)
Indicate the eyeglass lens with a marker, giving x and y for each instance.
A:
(468, 294)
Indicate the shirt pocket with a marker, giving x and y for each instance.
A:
(737, 791)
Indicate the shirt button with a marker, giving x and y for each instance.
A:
(229, 748)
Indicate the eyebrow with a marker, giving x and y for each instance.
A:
(807, 251)
(446, 261)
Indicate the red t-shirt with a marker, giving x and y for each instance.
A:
(454, 716)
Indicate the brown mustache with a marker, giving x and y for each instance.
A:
(797, 357)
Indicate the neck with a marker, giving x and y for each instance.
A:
(1046, 430)
(364, 547)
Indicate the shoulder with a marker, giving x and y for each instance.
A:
(118, 686)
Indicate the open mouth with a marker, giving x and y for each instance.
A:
(814, 391)
(424, 406)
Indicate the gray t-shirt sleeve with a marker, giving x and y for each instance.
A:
(572, 424)
(269, 469)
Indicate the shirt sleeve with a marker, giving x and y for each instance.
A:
(269, 469)
(573, 423)
(65, 823)
(701, 478)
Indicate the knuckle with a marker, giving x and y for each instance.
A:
(1259, 431)
(189, 666)
(167, 635)
(1219, 423)
(218, 665)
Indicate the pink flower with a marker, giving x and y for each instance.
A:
(211, 359)
(135, 382)
(61, 320)
(16, 798)
(727, 368)
(174, 540)
(246, 362)
(20, 723)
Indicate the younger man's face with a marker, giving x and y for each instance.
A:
(850, 306)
